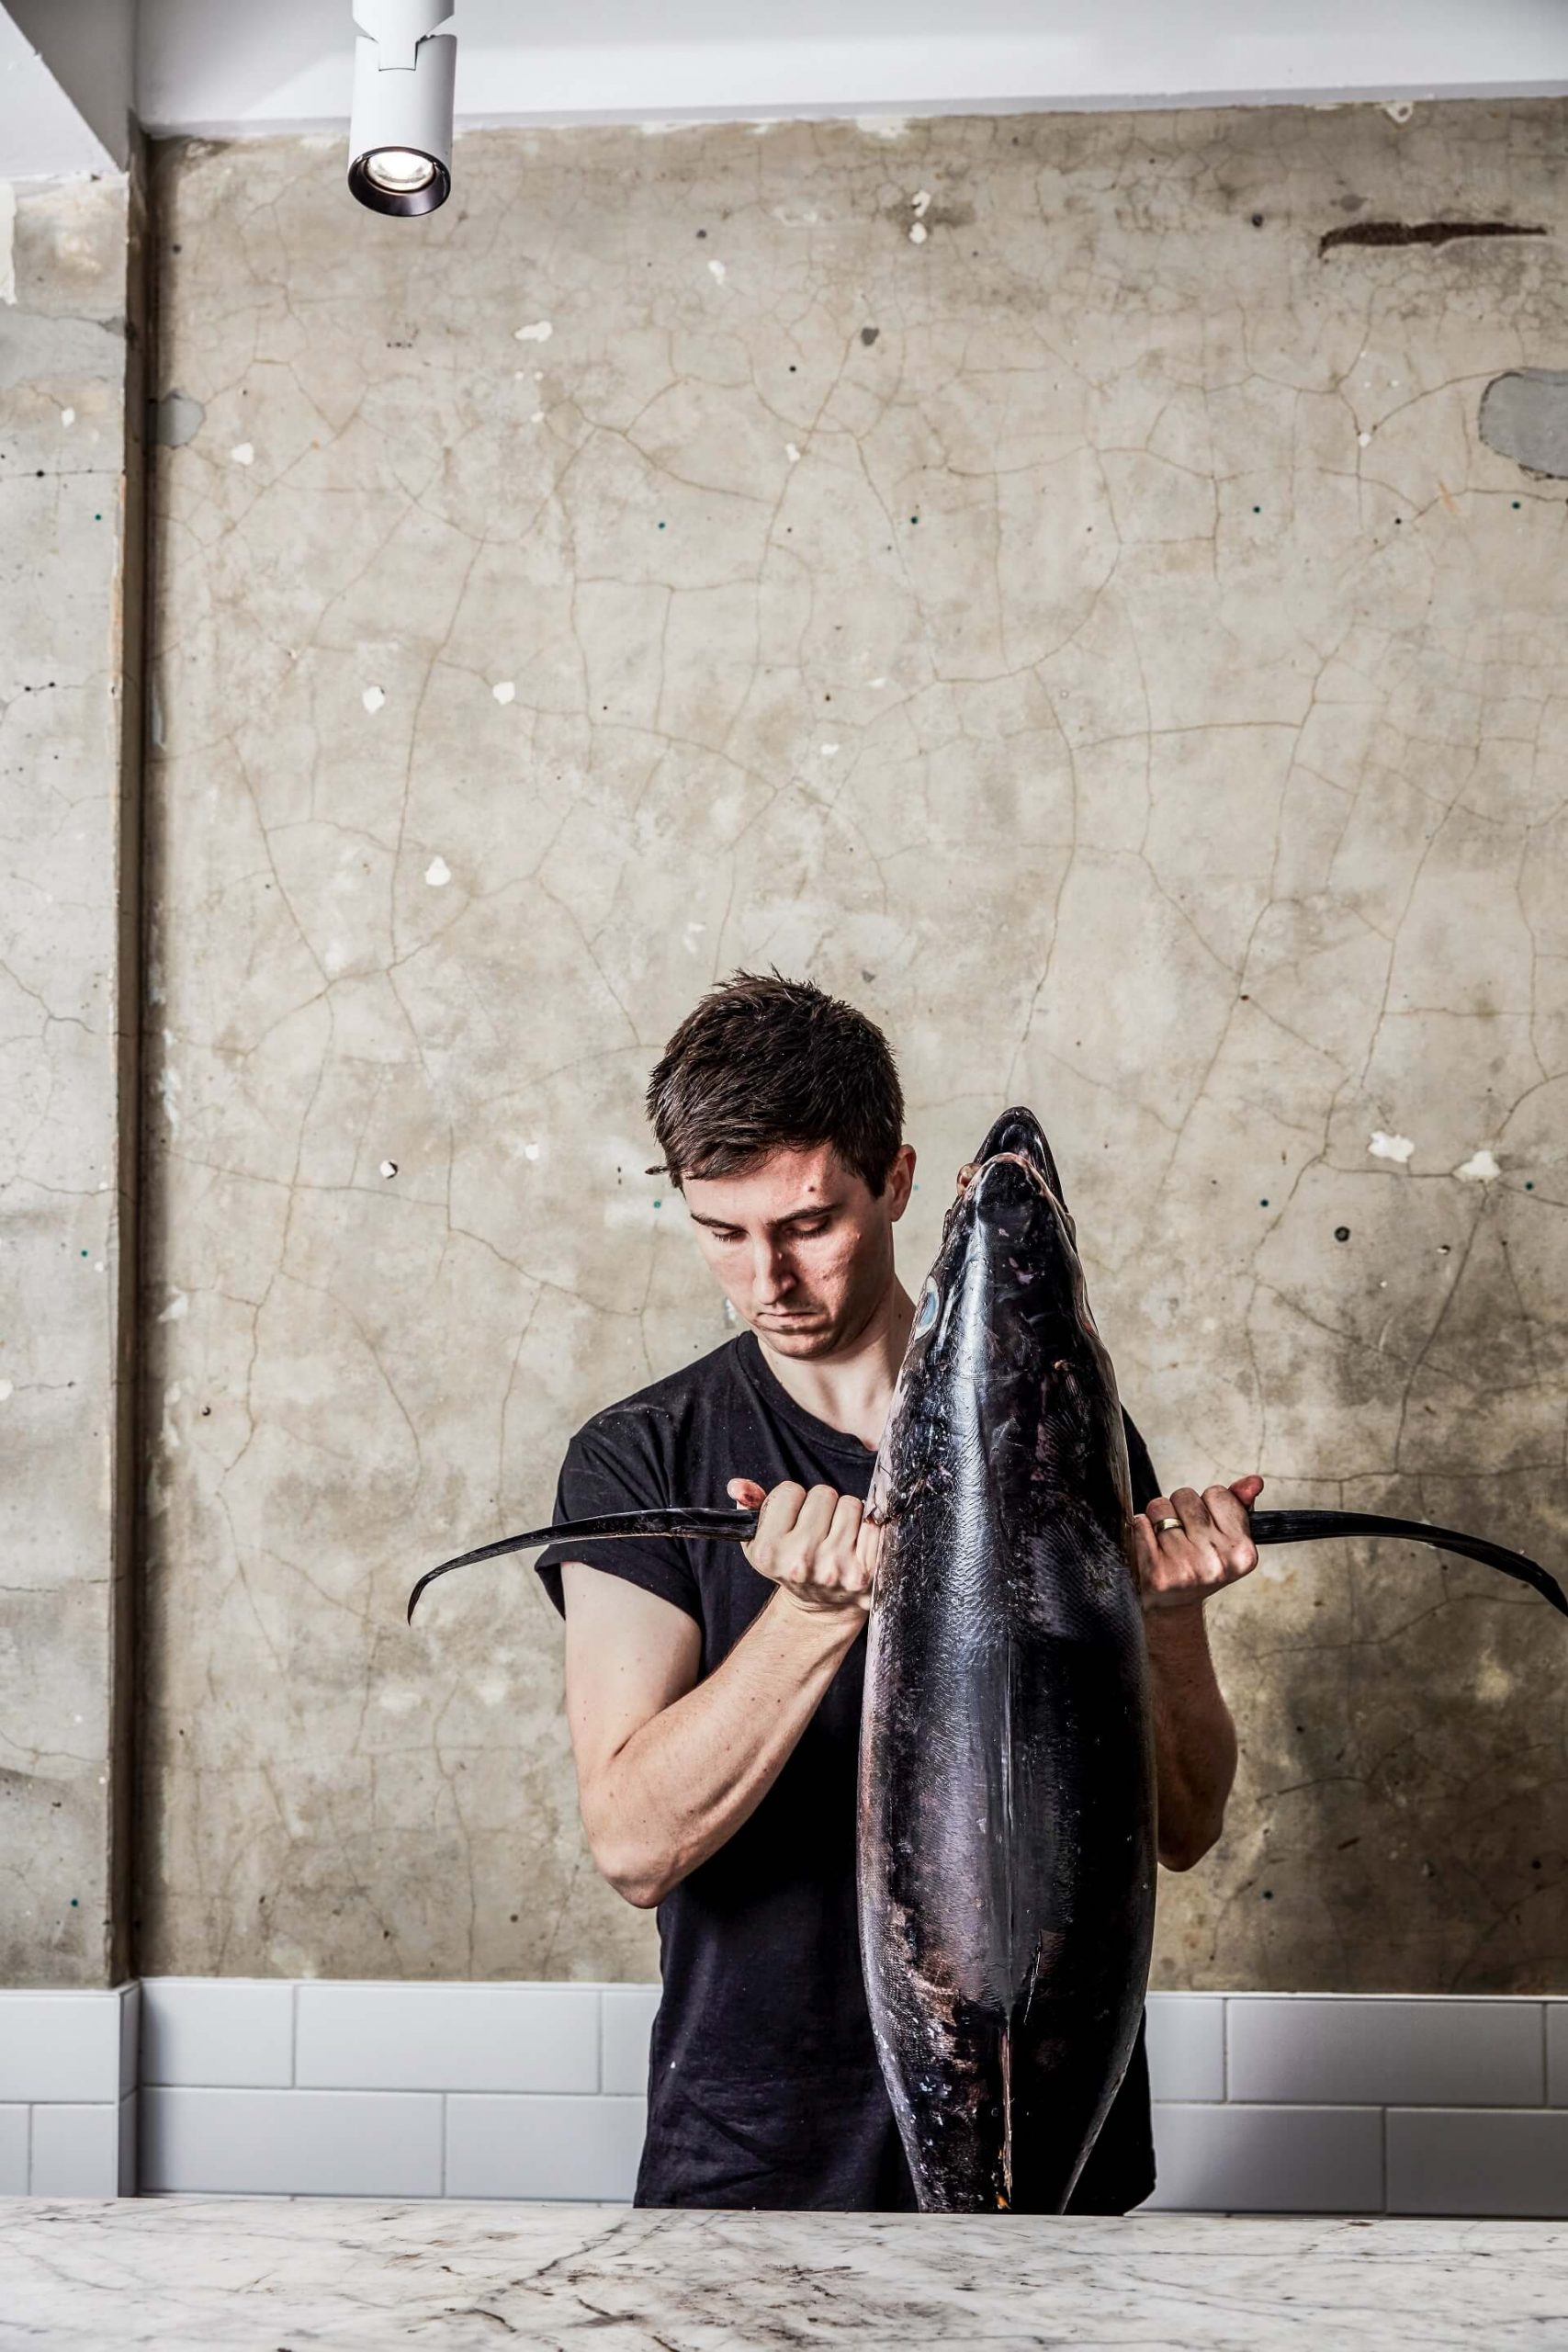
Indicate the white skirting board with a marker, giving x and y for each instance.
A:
(1264, 2103)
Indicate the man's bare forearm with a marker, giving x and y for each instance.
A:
(1195, 1748)
(684, 1782)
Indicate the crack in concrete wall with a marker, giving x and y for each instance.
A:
(1127, 674)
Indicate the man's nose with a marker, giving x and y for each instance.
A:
(772, 1274)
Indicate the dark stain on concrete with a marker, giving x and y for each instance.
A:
(1524, 415)
(175, 419)
(1421, 232)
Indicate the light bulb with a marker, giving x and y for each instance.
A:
(398, 170)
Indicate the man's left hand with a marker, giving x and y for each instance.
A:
(1179, 1568)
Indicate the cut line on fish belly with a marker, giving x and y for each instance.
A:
(1267, 1527)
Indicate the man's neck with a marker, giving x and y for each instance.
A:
(853, 1388)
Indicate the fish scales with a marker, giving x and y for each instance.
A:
(1007, 1818)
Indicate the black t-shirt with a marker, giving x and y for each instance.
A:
(763, 2085)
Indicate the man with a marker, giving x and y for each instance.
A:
(714, 1698)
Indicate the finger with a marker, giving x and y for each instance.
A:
(814, 1523)
(965, 1174)
(1233, 1535)
(1192, 1512)
(1162, 1508)
(1239, 1489)
(781, 1509)
(836, 1560)
(746, 1494)
(868, 1554)
(776, 1522)
(1147, 1543)
(848, 1512)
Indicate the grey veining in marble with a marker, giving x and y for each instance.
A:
(184, 2273)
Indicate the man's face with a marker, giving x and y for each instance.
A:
(803, 1250)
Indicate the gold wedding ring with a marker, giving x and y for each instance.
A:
(1162, 1526)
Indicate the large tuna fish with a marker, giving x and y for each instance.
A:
(1007, 1802)
(1007, 1836)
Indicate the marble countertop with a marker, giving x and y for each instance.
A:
(280, 2276)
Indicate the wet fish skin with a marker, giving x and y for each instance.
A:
(1006, 1808)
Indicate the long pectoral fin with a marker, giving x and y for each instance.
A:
(1304, 1526)
(721, 1526)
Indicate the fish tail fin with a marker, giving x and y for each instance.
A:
(1307, 1526)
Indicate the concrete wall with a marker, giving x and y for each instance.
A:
(1012, 572)
(71, 562)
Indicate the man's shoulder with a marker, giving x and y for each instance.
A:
(668, 1404)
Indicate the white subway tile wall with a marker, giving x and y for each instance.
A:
(1383, 2054)
(1263, 2102)
(1465, 2160)
(61, 2046)
(75, 2151)
(67, 2092)
(292, 2142)
(584, 2150)
(628, 2023)
(449, 2037)
(14, 2123)
(1269, 2159)
(217, 2032)
(1187, 2045)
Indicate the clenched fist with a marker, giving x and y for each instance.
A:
(817, 1546)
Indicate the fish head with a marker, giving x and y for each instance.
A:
(1003, 1340)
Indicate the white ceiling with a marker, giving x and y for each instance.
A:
(237, 67)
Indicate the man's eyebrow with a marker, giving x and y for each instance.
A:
(791, 1216)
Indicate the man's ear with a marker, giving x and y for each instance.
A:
(901, 1181)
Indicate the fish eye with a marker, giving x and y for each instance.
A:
(925, 1314)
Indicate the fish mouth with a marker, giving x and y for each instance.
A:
(1017, 1135)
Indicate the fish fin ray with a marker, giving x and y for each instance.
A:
(1307, 1526)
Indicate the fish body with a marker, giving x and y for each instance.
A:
(1007, 1800)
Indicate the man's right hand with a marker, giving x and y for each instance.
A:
(817, 1546)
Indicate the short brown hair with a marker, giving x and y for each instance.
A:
(764, 1064)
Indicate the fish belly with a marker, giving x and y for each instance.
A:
(1007, 1875)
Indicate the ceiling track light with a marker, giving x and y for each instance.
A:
(400, 138)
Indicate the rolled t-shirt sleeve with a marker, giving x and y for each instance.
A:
(619, 1462)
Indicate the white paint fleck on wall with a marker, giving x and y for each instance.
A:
(504, 691)
(177, 1309)
(373, 699)
(437, 873)
(7, 1392)
(67, 417)
(792, 453)
(718, 272)
(7, 242)
(1479, 1169)
(540, 331)
(1397, 1147)
(243, 453)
